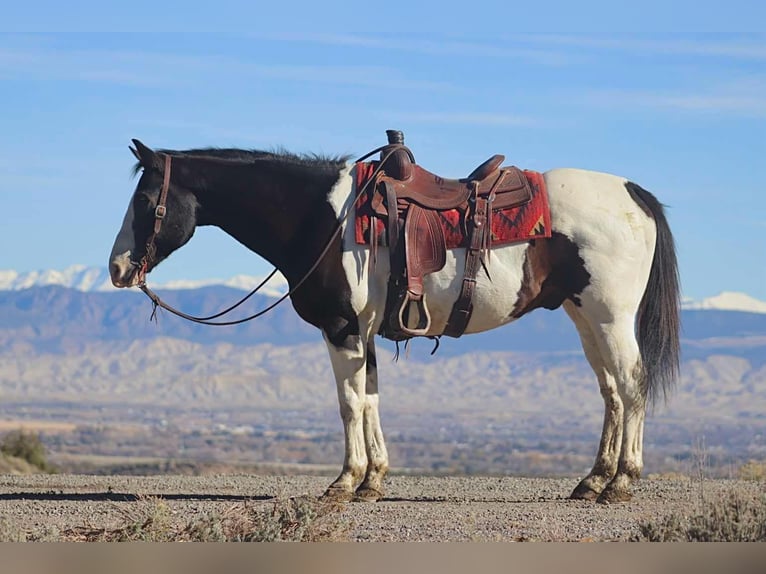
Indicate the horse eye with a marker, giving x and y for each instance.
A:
(143, 202)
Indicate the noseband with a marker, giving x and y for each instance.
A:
(159, 214)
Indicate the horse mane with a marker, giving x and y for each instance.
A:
(279, 154)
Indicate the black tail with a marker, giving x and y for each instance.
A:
(658, 322)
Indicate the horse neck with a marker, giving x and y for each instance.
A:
(267, 206)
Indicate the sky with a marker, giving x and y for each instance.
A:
(683, 114)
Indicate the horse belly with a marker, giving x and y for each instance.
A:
(496, 292)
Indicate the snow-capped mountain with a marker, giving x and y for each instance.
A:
(77, 277)
(85, 278)
(729, 301)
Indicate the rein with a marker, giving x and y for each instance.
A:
(161, 210)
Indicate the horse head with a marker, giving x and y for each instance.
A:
(161, 217)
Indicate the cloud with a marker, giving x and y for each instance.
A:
(461, 118)
(445, 46)
(734, 49)
(745, 96)
(545, 49)
(149, 69)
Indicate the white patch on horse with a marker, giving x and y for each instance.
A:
(367, 294)
(496, 290)
(590, 208)
(124, 244)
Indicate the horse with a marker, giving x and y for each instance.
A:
(610, 262)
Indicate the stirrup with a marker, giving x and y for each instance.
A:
(421, 330)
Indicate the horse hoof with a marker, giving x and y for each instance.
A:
(336, 494)
(612, 495)
(584, 492)
(367, 494)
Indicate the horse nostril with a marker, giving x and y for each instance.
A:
(116, 274)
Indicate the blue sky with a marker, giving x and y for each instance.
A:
(682, 114)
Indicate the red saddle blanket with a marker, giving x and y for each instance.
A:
(531, 220)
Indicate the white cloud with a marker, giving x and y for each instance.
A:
(708, 46)
(148, 69)
(743, 97)
(499, 48)
(461, 118)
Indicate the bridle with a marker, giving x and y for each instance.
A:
(160, 212)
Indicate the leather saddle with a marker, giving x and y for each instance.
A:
(408, 199)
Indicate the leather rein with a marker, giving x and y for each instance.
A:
(161, 211)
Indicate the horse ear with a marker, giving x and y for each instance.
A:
(134, 151)
(145, 155)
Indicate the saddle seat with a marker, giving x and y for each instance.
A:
(432, 191)
(418, 196)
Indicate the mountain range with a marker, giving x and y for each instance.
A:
(55, 319)
(84, 278)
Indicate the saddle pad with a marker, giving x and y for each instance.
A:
(531, 220)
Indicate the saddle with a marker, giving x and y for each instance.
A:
(409, 199)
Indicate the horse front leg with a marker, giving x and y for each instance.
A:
(371, 488)
(349, 364)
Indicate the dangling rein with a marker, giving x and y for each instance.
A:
(161, 210)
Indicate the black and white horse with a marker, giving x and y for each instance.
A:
(610, 262)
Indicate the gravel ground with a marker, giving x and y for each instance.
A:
(414, 508)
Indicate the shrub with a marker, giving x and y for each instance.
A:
(737, 517)
(26, 446)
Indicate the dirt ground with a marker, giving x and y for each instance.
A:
(443, 509)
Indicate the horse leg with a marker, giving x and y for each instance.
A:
(605, 466)
(349, 364)
(371, 488)
(628, 364)
(619, 349)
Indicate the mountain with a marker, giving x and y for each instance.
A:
(77, 277)
(729, 301)
(83, 278)
(61, 320)
(89, 279)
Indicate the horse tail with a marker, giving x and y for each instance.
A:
(658, 321)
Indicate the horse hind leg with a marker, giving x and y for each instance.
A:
(605, 466)
(371, 488)
(619, 351)
(626, 364)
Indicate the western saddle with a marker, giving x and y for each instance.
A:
(415, 231)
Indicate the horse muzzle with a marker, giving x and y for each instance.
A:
(123, 271)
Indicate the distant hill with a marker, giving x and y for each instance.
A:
(59, 319)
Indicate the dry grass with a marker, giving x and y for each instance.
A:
(150, 519)
(302, 519)
(736, 517)
(753, 470)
